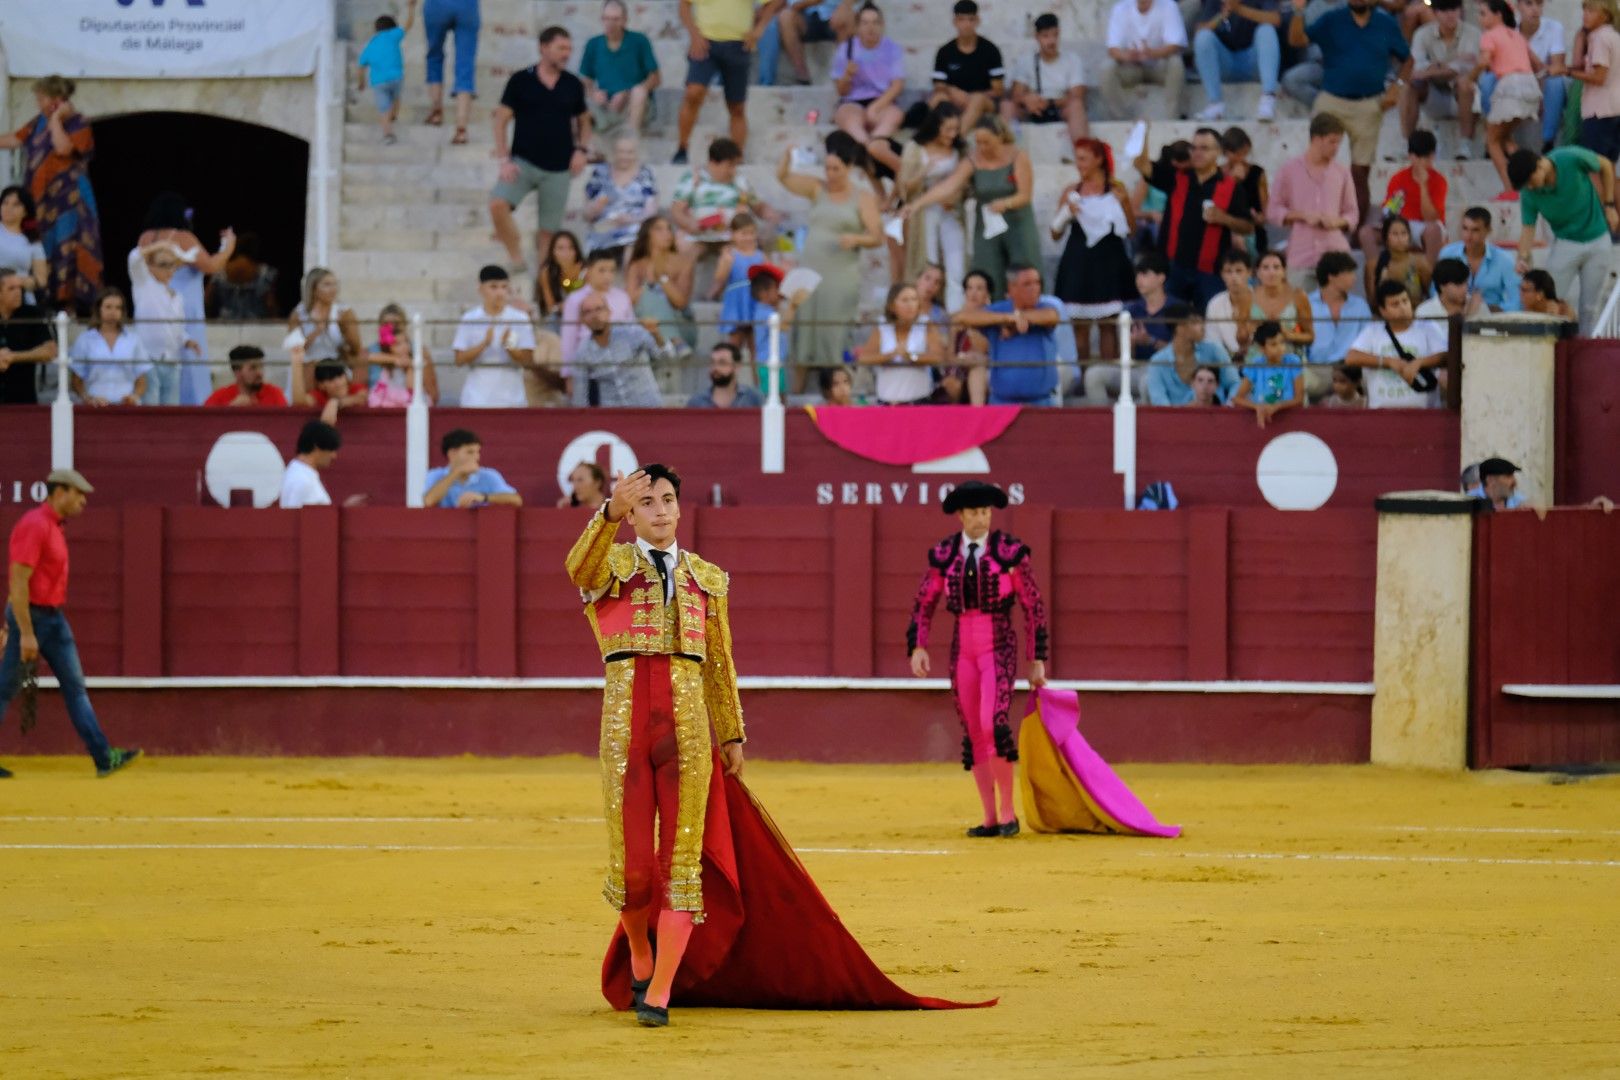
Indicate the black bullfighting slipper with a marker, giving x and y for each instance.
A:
(1008, 828)
(638, 991)
(981, 831)
(651, 1015)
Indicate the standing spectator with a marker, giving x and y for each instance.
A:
(1595, 64)
(1397, 261)
(1002, 183)
(620, 195)
(245, 289)
(318, 446)
(1221, 322)
(1048, 83)
(248, 386)
(1451, 294)
(1204, 209)
(722, 35)
(1237, 146)
(391, 376)
(600, 272)
(20, 253)
(1558, 187)
(905, 347)
(1145, 42)
(1346, 389)
(1402, 353)
(659, 283)
(550, 141)
(1302, 66)
(968, 70)
(1150, 201)
(160, 321)
(724, 391)
(1490, 268)
(1546, 40)
(463, 481)
(333, 390)
(1274, 379)
(937, 235)
(1276, 299)
(801, 22)
(35, 625)
(844, 219)
(1173, 375)
(1021, 333)
(1094, 276)
(441, 18)
(706, 199)
(1417, 195)
(837, 386)
(499, 339)
(561, 274)
(383, 61)
(26, 342)
(1238, 42)
(869, 71)
(1515, 95)
(1315, 198)
(1498, 484)
(109, 365)
(1358, 41)
(57, 146)
(1337, 315)
(1444, 55)
(587, 487)
(614, 363)
(731, 277)
(1538, 294)
(765, 297)
(168, 220)
(620, 74)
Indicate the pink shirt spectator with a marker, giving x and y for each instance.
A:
(875, 68)
(1303, 188)
(1510, 52)
(620, 310)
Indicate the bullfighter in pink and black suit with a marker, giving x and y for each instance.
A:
(982, 573)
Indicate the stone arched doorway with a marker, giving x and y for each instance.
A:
(254, 179)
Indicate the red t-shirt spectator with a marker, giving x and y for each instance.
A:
(267, 395)
(1412, 208)
(38, 541)
(318, 396)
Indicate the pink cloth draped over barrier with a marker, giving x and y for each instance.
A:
(907, 435)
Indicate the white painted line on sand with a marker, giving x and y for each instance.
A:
(1309, 856)
(270, 847)
(1494, 829)
(233, 820)
(869, 851)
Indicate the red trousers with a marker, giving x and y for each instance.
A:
(651, 783)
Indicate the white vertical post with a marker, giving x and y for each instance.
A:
(62, 407)
(773, 417)
(323, 143)
(1125, 415)
(416, 423)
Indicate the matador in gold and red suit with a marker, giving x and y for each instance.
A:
(720, 866)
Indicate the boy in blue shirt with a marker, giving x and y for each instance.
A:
(384, 59)
(764, 287)
(1277, 382)
(464, 482)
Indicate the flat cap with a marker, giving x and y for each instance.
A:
(69, 478)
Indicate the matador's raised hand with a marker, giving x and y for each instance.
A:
(627, 493)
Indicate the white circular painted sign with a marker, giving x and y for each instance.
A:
(621, 459)
(1297, 471)
(244, 460)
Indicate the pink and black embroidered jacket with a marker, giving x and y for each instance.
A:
(999, 577)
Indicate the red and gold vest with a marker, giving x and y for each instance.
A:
(631, 617)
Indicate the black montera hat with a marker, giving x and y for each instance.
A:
(972, 494)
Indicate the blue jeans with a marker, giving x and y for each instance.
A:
(1260, 61)
(57, 648)
(163, 384)
(440, 18)
(769, 51)
(1554, 91)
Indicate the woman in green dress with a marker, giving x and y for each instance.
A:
(844, 219)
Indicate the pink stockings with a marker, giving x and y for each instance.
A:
(674, 931)
(976, 698)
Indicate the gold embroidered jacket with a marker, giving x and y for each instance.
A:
(624, 604)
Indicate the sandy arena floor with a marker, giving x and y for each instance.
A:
(403, 919)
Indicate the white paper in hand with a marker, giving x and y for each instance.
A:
(800, 277)
(994, 224)
(293, 340)
(1136, 141)
(894, 228)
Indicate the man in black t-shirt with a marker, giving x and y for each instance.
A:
(549, 144)
(25, 343)
(1203, 209)
(968, 70)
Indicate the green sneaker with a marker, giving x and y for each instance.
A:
(117, 759)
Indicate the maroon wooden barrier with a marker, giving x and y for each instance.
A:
(1545, 597)
(1587, 429)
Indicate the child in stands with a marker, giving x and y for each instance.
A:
(384, 61)
(1276, 381)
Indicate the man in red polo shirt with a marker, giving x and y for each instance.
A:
(249, 387)
(35, 623)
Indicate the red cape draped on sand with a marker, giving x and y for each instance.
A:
(769, 939)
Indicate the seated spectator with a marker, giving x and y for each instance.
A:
(1275, 299)
(334, 390)
(1145, 42)
(1302, 65)
(1451, 294)
(562, 273)
(1539, 294)
(1490, 268)
(26, 342)
(659, 283)
(1315, 198)
(1402, 353)
(930, 283)
(160, 321)
(869, 72)
(1048, 83)
(1416, 195)
(707, 199)
(1204, 211)
(246, 287)
(620, 74)
(620, 195)
(391, 376)
(109, 367)
(587, 487)
(905, 348)
(1221, 323)
(1238, 42)
(803, 21)
(1444, 54)
(1274, 378)
(1173, 377)
(1498, 484)
(1397, 261)
(1594, 62)
(1022, 339)
(249, 387)
(1150, 329)
(837, 387)
(497, 341)
(1515, 94)
(1346, 392)
(1573, 190)
(1337, 315)
(1546, 40)
(724, 392)
(20, 250)
(968, 71)
(331, 330)
(1237, 146)
(970, 348)
(463, 481)
(601, 273)
(613, 365)
(318, 445)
